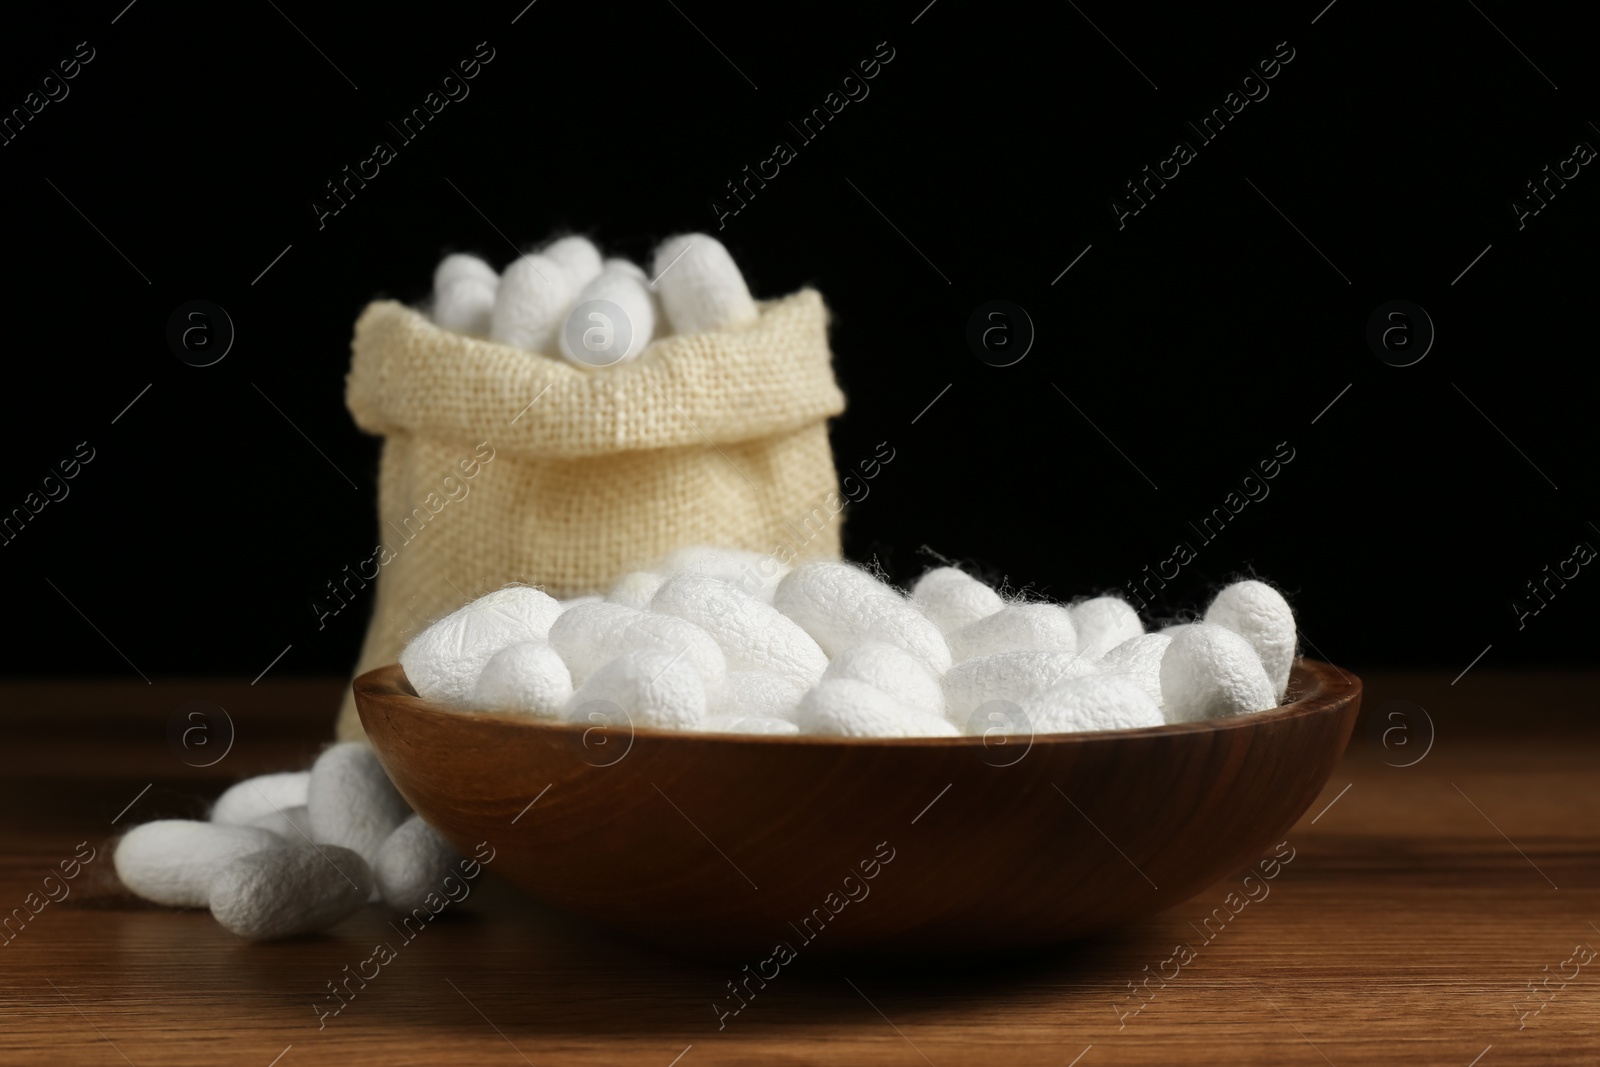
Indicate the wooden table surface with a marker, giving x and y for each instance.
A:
(1445, 912)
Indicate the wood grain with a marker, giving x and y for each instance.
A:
(1406, 927)
(769, 846)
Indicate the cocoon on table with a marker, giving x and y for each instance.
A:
(412, 863)
(351, 801)
(298, 889)
(174, 861)
(291, 824)
(259, 797)
(494, 459)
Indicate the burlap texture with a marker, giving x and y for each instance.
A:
(505, 466)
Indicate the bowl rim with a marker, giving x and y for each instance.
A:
(1318, 687)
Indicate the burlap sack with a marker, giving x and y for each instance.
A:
(503, 466)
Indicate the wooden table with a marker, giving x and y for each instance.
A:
(1421, 903)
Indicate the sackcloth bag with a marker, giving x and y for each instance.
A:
(502, 466)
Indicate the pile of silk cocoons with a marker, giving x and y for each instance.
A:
(724, 641)
(295, 853)
(693, 287)
(710, 640)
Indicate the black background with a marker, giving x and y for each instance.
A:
(1196, 338)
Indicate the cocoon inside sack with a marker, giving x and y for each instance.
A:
(465, 306)
(1258, 613)
(590, 635)
(577, 256)
(463, 294)
(757, 694)
(844, 707)
(461, 267)
(444, 661)
(840, 605)
(351, 801)
(1139, 658)
(531, 303)
(1013, 675)
(298, 889)
(259, 797)
(1103, 623)
(753, 635)
(1091, 702)
(412, 863)
(651, 688)
(890, 670)
(175, 861)
(527, 678)
(1210, 672)
(626, 266)
(600, 338)
(1046, 627)
(700, 285)
(952, 598)
(458, 266)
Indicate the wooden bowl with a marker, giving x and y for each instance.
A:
(714, 843)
